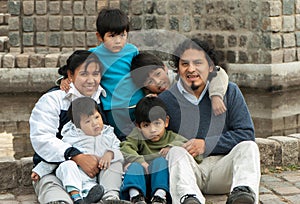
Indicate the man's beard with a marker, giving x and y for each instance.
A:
(194, 87)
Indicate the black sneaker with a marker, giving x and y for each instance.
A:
(94, 195)
(158, 200)
(241, 195)
(189, 199)
(139, 199)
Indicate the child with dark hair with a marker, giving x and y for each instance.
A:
(116, 54)
(150, 73)
(144, 151)
(88, 134)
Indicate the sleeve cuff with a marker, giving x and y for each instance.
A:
(71, 152)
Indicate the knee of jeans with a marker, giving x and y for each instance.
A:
(135, 165)
(159, 160)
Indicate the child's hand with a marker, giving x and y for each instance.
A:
(145, 165)
(104, 161)
(164, 151)
(218, 105)
(65, 84)
(126, 166)
(35, 177)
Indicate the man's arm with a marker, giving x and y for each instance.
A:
(238, 125)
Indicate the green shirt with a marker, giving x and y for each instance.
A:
(137, 148)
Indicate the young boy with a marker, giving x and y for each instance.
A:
(116, 54)
(87, 133)
(144, 151)
(149, 72)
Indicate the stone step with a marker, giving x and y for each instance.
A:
(275, 151)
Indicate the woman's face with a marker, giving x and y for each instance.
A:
(86, 78)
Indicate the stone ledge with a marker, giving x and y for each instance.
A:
(274, 151)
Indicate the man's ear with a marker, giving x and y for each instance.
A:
(167, 121)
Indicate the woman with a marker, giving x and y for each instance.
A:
(48, 116)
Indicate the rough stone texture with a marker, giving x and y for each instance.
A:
(289, 148)
(270, 152)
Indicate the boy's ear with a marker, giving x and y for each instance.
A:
(167, 121)
(99, 38)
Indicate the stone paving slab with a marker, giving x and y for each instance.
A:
(275, 188)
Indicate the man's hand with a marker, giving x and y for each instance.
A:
(195, 146)
(88, 163)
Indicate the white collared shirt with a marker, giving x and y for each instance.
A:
(73, 93)
(191, 97)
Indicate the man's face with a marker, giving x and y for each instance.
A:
(158, 80)
(194, 70)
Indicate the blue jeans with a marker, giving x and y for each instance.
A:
(135, 177)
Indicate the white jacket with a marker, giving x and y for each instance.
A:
(97, 145)
(44, 122)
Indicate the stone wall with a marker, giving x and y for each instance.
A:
(249, 31)
(259, 40)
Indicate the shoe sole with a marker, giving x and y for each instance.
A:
(243, 200)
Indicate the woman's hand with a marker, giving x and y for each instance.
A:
(35, 177)
(88, 163)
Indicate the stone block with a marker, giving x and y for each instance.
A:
(79, 23)
(297, 136)
(276, 41)
(186, 24)
(288, 7)
(289, 148)
(8, 61)
(14, 7)
(90, 7)
(273, 8)
(90, 23)
(91, 39)
(288, 23)
(28, 39)
(15, 50)
(161, 7)
(289, 55)
(273, 24)
(269, 152)
(54, 7)
(36, 61)
(290, 122)
(43, 22)
(78, 7)
(26, 166)
(289, 40)
(79, 39)
(68, 23)
(277, 56)
(67, 7)
(41, 7)
(297, 4)
(28, 8)
(22, 60)
(51, 60)
(297, 39)
(63, 58)
(137, 7)
(53, 50)
(10, 175)
(13, 23)
(28, 24)
(68, 39)
(54, 23)
(55, 39)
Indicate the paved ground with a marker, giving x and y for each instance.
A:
(276, 188)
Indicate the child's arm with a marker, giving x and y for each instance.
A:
(104, 161)
(65, 84)
(217, 89)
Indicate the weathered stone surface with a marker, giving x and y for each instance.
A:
(270, 152)
(290, 149)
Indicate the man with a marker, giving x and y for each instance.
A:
(231, 163)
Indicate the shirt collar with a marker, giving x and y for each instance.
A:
(73, 93)
(190, 97)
